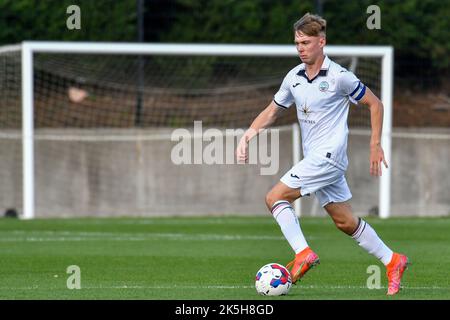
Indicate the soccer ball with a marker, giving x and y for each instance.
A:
(273, 279)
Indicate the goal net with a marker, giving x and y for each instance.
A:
(92, 129)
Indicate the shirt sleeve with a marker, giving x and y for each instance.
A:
(284, 98)
(351, 86)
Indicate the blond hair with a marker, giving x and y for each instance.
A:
(311, 25)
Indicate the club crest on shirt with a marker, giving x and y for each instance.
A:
(323, 86)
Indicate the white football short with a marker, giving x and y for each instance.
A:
(314, 174)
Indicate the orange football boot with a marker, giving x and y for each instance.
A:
(304, 261)
(395, 268)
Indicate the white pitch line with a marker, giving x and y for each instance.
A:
(49, 236)
(174, 287)
(201, 222)
(260, 220)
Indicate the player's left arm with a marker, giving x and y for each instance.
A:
(376, 121)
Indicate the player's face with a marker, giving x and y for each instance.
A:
(309, 48)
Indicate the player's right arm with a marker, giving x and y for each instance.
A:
(264, 120)
(282, 100)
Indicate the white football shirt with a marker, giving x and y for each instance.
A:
(322, 108)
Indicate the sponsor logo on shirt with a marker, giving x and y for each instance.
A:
(306, 111)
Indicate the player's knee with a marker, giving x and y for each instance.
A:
(271, 197)
(345, 226)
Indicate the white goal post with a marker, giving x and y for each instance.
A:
(28, 48)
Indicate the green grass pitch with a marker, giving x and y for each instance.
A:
(209, 258)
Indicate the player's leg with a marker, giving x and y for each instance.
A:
(281, 192)
(358, 229)
(295, 183)
(279, 200)
(342, 215)
(335, 198)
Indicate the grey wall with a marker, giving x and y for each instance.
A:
(137, 178)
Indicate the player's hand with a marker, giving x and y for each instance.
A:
(376, 158)
(242, 150)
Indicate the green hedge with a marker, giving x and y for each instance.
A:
(416, 28)
(101, 20)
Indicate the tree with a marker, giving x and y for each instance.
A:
(101, 20)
